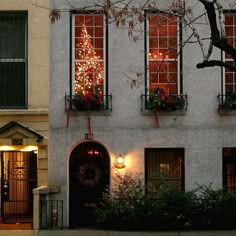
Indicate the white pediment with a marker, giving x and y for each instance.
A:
(16, 130)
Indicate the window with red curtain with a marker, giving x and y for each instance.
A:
(229, 169)
(162, 52)
(230, 28)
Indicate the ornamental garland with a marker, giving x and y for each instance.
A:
(86, 102)
(160, 101)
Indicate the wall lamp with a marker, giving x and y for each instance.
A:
(120, 162)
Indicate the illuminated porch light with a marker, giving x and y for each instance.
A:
(29, 149)
(120, 162)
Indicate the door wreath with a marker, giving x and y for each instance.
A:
(89, 174)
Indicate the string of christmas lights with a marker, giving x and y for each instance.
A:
(88, 69)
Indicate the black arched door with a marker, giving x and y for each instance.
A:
(89, 174)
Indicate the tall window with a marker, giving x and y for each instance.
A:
(230, 28)
(229, 169)
(89, 54)
(164, 170)
(162, 60)
(13, 59)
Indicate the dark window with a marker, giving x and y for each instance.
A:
(13, 59)
(229, 169)
(164, 170)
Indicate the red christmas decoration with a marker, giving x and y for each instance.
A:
(88, 67)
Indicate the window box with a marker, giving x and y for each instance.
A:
(159, 101)
(227, 103)
(88, 102)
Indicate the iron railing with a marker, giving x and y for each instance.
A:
(88, 103)
(15, 212)
(170, 103)
(226, 102)
(51, 214)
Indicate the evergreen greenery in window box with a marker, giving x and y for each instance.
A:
(160, 101)
(88, 101)
(229, 103)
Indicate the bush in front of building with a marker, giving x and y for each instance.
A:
(127, 207)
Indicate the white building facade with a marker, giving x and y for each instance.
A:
(97, 113)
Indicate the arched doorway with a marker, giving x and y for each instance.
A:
(89, 175)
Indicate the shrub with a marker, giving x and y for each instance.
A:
(177, 207)
(126, 207)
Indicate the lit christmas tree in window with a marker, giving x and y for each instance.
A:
(89, 68)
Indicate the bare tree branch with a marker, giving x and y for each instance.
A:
(213, 63)
(218, 40)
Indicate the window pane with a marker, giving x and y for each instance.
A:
(153, 31)
(152, 19)
(90, 31)
(163, 74)
(12, 84)
(99, 21)
(230, 28)
(163, 43)
(172, 42)
(89, 20)
(162, 31)
(171, 88)
(99, 53)
(229, 20)
(229, 169)
(99, 32)
(98, 43)
(79, 19)
(12, 37)
(89, 43)
(13, 59)
(172, 30)
(78, 31)
(164, 170)
(162, 51)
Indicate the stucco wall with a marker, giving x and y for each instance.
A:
(38, 59)
(36, 115)
(202, 132)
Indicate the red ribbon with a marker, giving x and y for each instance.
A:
(222, 110)
(68, 115)
(89, 126)
(156, 119)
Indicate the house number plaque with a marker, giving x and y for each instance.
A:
(88, 136)
(17, 141)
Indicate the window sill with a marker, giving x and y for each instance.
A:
(78, 107)
(23, 112)
(165, 113)
(92, 113)
(226, 113)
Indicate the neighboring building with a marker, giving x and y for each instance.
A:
(24, 83)
(90, 62)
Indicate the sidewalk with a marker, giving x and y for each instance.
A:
(111, 233)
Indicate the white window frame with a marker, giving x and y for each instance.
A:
(228, 60)
(178, 59)
(104, 51)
